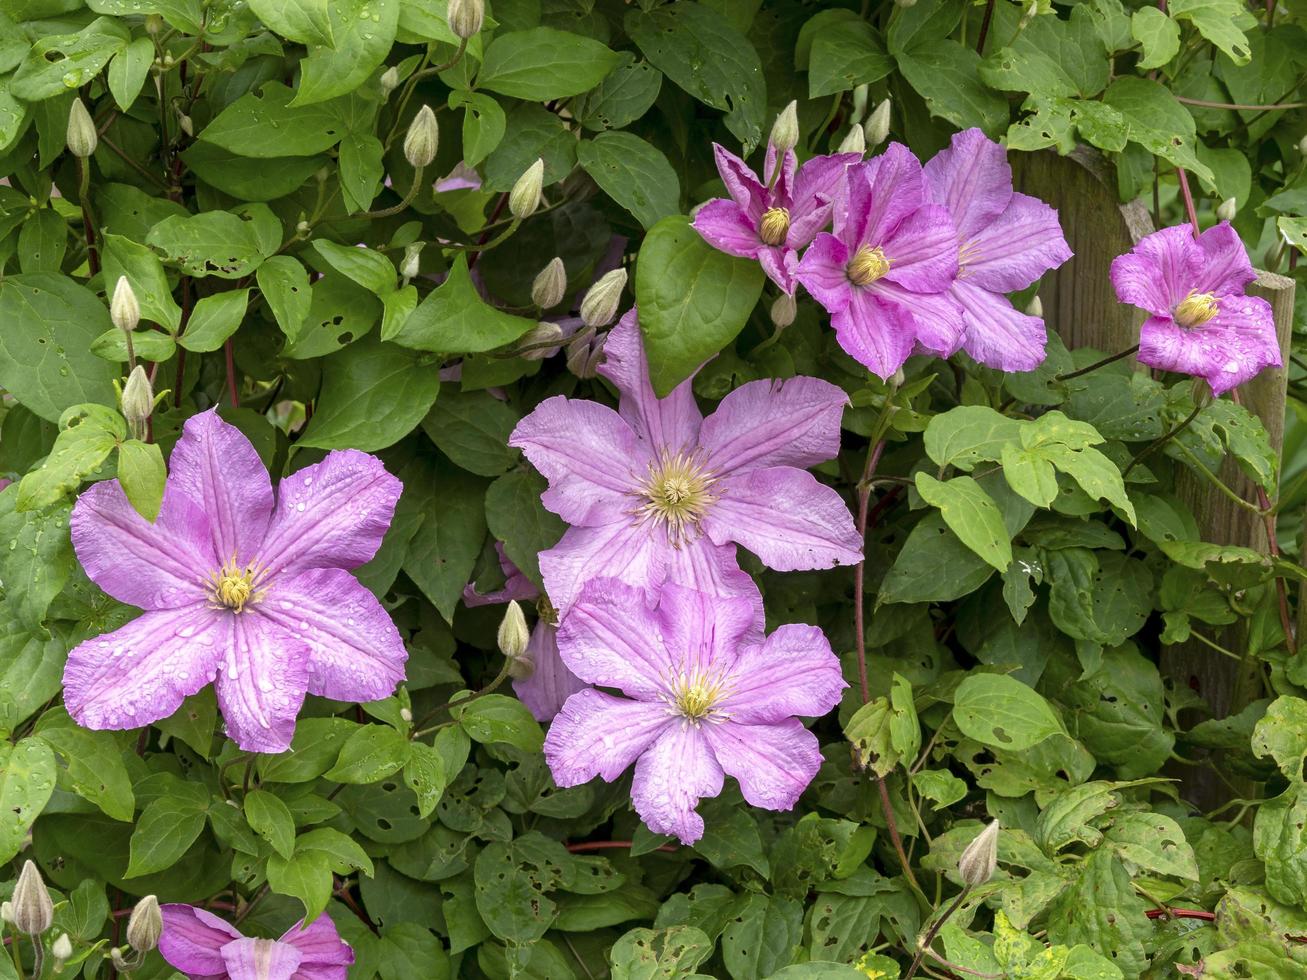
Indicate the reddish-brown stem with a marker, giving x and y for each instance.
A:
(181, 351)
(231, 374)
(864, 499)
(614, 845)
(485, 235)
(984, 27)
(1188, 199)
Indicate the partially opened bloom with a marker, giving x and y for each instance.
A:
(241, 588)
(654, 492)
(770, 221)
(706, 697)
(204, 947)
(884, 275)
(1202, 323)
(550, 682)
(1006, 242)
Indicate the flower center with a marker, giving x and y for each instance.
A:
(694, 696)
(867, 265)
(1196, 309)
(231, 587)
(677, 493)
(775, 225)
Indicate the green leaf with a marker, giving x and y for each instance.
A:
(369, 755)
(1000, 711)
(142, 474)
(1220, 21)
(483, 124)
(693, 300)
(128, 71)
(633, 173)
(625, 95)
(270, 818)
(313, 750)
(472, 429)
(214, 319)
(702, 52)
(285, 285)
(494, 718)
(373, 394)
(1030, 475)
(343, 852)
(87, 435)
(42, 241)
(946, 75)
(845, 55)
(662, 954)
(369, 269)
(213, 243)
(1157, 34)
(124, 257)
(251, 178)
(361, 169)
(453, 318)
(972, 515)
(94, 762)
(167, 828)
(306, 876)
(968, 435)
(408, 949)
(37, 562)
(362, 32)
(27, 775)
(444, 550)
(512, 885)
(1282, 734)
(869, 732)
(425, 774)
(543, 63)
(1157, 121)
(1051, 57)
(1153, 842)
(761, 935)
(59, 62)
(47, 366)
(304, 21)
(1102, 910)
(516, 517)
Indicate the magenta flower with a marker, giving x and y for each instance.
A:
(706, 696)
(1202, 323)
(550, 682)
(884, 275)
(204, 947)
(770, 221)
(654, 492)
(240, 588)
(1008, 241)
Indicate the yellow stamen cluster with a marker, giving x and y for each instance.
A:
(775, 225)
(694, 696)
(676, 493)
(232, 587)
(1196, 309)
(867, 265)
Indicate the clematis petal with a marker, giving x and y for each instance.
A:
(597, 734)
(355, 651)
(815, 188)
(702, 631)
(142, 671)
(634, 553)
(725, 226)
(613, 639)
(937, 320)
(217, 467)
(668, 424)
(192, 940)
(261, 683)
(260, 959)
(997, 335)
(154, 566)
(332, 514)
(774, 423)
(972, 179)
(551, 683)
(785, 517)
(1016, 248)
(1227, 268)
(672, 777)
(773, 763)
(821, 271)
(712, 568)
(516, 585)
(780, 264)
(875, 332)
(1228, 350)
(1159, 271)
(588, 453)
(793, 672)
(784, 181)
(325, 955)
(892, 187)
(742, 184)
(923, 251)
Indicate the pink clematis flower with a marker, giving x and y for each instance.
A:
(550, 682)
(1202, 323)
(204, 947)
(241, 588)
(656, 493)
(885, 273)
(769, 221)
(1008, 240)
(706, 697)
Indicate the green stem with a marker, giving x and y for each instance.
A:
(405, 202)
(1163, 439)
(488, 689)
(1212, 644)
(1128, 352)
(1215, 480)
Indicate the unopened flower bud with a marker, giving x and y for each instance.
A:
(124, 310)
(119, 963)
(876, 129)
(412, 260)
(1227, 209)
(465, 17)
(896, 379)
(599, 305)
(184, 121)
(405, 714)
(7, 912)
(521, 668)
(979, 861)
(785, 131)
(33, 909)
(524, 198)
(145, 925)
(153, 24)
(855, 141)
(859, 103)
(1302, 146)
(783, 310)
(580, 353)
(550, 285)
(1035, 307)
(168, 60)
(82, 137)
(513, 634)
(303, 227)
(61, 949)
(538, 342)
(1028, 14)
(138, 400)
(389, 80)
(422, 139)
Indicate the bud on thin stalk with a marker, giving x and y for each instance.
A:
(422, 139)
(124, 310)
(1302, 146)
(550, 285)
(138, 401)
(599, 305)
(855, 141)
(465, 17)
(389, 80)
(980, 859)
(1035, 307)
(61, 949)
(876, 128)
(524, 198)
(145, 925)
(513, 634)
(540, 341)
(82, 137)
(1227, 209)
(783, 310)
(7, 912)
(859, 103)
(412, 261)
(33, 909)
(785, 131)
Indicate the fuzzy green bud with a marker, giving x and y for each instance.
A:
(61, 949)
(855, 141)
(980, 859)
(513, 635)
(859, 103)
(1035, 307)
(33, 909)
(412, 260)
(138, 400)
(124, 310)
(1227, 209)
(550, 285)
(82, 137)
(599, 305)
(537, 343)
(7, 912)
(145, 925)
(465, 17)
(524, 198)
(783, 310)
(785, 131)
(389, 80)
(876, 128)
(422, 138)
(153, 24)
